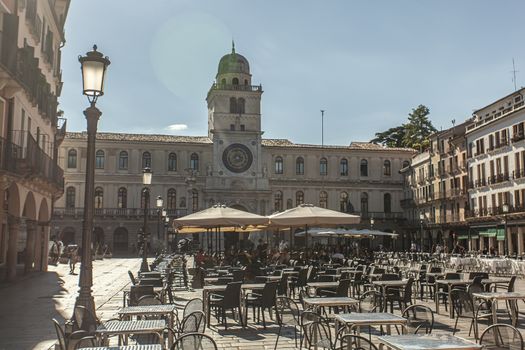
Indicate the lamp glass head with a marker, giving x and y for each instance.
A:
(146, 176)
(93, 67)
(160, 202)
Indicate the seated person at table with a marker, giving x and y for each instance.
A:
(323, 257)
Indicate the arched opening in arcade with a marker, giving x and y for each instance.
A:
(120, 240)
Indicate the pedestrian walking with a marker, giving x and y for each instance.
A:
(73, 257)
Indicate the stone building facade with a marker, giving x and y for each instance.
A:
(496, 162)
(32, 35)
(232, 165)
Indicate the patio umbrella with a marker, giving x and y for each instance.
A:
(310, 215)
(220, 216)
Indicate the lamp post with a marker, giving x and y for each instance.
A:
(505, 209)
(421, 220)
(93, 67)
(166, 231)
(159, 204)
(372, 223)
(146, 181)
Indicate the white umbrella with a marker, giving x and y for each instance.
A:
(310, 215)
(220, 216)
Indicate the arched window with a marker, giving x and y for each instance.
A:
(233, 105)
(172, 162)
(245, 81)
(323, 199)
(323, 166)
(289, 203)
(364, 167)
(235, 81)
(171, 202)
(299, 198)
(387, 202)
(70, 197)
(146, 160)
(223, 81)
(72, 158)
(278, 201)
(99, 159)
(123, 160)
(343, 202)
(364, 204)
(279, 165)
(240, 105)
(406, 163)
(99, 197)
(195, 200)
(122, 200)
(387, 171)
(299, 166)
(194, 161)
(143, 197)
(343, 167)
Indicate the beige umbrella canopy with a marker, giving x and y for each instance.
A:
(306, 215)
(220, 216)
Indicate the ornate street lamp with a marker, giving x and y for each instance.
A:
(421, 221)
(159, 205)
(505, 208)
(146, 181)
(93, 67)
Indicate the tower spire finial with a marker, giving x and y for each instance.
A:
(233, 47)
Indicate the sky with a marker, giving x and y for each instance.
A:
(366, 63)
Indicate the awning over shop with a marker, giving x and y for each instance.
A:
(462, 237)
(499, 233)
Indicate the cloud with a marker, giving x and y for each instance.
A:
(177, 127)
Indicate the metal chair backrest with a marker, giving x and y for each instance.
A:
(390, 277)
(462, 302)
(371, 301)
(473, 275)
(195, 304)
(238, 275)
(302, 278)
(194, 341)
(435, 269)
(342, 288)
(81, 314)
(407, 295)
(512, 281)
(355, 342)
(452, 276)
(232, 295)
(60, 335)
(420, 318)
(287, 311)
(132, 278)
(501, 336)
(283, 285)
(136, 292)
(269, 293)
(148, 300)
(318, 335)
(193, 323)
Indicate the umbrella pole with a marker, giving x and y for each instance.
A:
(306, 239)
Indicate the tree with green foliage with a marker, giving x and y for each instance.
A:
(392, 137)
(413, 134)
(418, 129)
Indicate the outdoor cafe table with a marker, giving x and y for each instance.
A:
(318, 302)
(212, 280)
(506, 296)
(462, 282)
(317, 285)
(126, 328)
(357, 320)
(150, 310)
(207, 290)
(127, 347)
(383, 285)
(426, 342)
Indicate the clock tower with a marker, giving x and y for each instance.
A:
(236, 175)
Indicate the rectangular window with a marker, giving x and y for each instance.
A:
(232, 127)
(243, 128)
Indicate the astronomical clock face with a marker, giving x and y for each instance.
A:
(237, 158)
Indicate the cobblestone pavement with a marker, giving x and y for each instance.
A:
(28, 305)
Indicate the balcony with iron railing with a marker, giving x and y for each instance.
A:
(232, 87)
(407, 203)
(129, 213)
(380, 215)
(28, 160)
(494, 211)
(517, 137)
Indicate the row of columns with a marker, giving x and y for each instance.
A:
(36, 247)
(520, 235)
